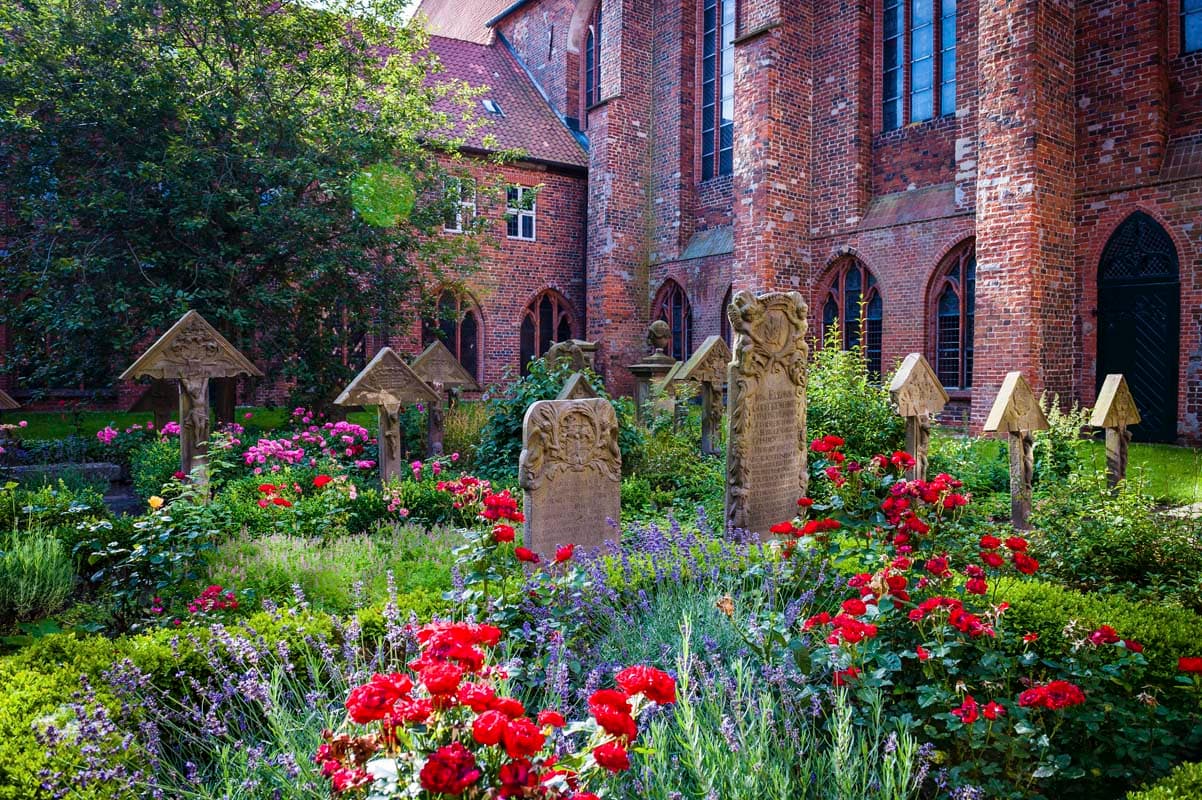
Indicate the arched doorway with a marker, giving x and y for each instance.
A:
(1139, 321)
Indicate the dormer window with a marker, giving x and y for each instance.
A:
(492, 107)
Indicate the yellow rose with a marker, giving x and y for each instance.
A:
(155, 502)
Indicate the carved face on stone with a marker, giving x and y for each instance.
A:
(659, 335)
(578, 438)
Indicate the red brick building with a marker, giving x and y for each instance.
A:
(1000, 184)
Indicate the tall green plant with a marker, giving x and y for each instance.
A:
(847, 400)
(36, 576)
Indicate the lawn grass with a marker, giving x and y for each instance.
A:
(61, 424)
(1173, 474)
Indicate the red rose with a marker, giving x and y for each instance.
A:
(1054, 696)
(805, 502)
(654, 684)
(321, 480)
(408, 712)
(1104, 635)
(374, 700)
(564, 553)
(1024, 563)
(449, 770)
(489, 727)
(967, 712)
(551, 718)
(845, 676)
(522, 738)
(281, 501)
(615, 722)
(922, 653)
(346, 779)
(612, 756)
(1016, 543)
(526, 554)
(993, 709)
(1189, 664)
(992, 559)
(509, 706)
(1030, 637)
(609, 697)
(516, 777)
(476, 696)
(855, 606)
(783, 529)
(976, 586)
(990, 542)
(443, 678)
(267, 488)
(1133, 646)
(937, 566)
(503, 533)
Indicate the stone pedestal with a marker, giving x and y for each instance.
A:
(647, 373)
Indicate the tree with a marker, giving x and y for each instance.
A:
(274, 165)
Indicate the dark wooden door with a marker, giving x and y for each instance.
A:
(1139, 322)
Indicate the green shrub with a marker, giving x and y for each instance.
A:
(36, 576)
(845, 400)
(152, 465)
(57, 506)
(982, 464)
(1060, 450)
(1183, 783)
(462, 430)
(1045, 608)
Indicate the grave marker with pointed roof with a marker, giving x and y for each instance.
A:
(1016, 413)
(387, 382)
(191, 352)
(1114, 411)
(438, 365)
(919, 396)
(577, 387)
(707, 367)
(7, 403)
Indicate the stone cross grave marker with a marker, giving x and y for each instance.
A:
(766, 429)
(577, 387)
(1115, 411)
(919, 396)
(387, 382)
(438, 367)
(1016, 413)
(7, 403)
(707, 368)
(192, 352)
(570, 472)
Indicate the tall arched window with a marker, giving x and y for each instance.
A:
(954, 295)
(853, 302)
(457, 325)
(672, 306)
(592, 64)
(717, 87)
(928, 68)
(547, 320)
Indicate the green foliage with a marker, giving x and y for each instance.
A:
(152, 465)
(844, 399)
(1183, 783)
(36, 576)
(1117, 542)
(462, 430)
(218, 172)
(677, 474)
(48, 507)
(983, 464)
(1060, 450)
(501, 437)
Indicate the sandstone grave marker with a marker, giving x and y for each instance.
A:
(387, 382)
(1115, 411)
(766, 429)
(192, 352)
(707, 368)
(578, 353)
(577, 387)
(7, 403)
(1016, 413)
(438, 367)
(919, 396)
(570, 471)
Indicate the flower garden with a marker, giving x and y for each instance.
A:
(308, 633)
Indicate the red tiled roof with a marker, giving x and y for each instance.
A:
(528, 122)
(462, 19)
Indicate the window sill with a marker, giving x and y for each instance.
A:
(519, 238)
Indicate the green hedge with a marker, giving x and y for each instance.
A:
(1183, 783)
(1166, 632)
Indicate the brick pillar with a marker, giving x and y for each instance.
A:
(1026, 287)
(619, 175)
(773, 109)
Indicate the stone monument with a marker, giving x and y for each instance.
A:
(571, 473)
(707, 368)
(1016, 413)
(438, 367)
(192, 352)
(576, 352)
(577, 387)
(387, 382)
(766, 429)
(653, 368)
(919, 396)
(1114, 411)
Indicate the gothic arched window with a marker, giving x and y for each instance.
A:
(547, 320)
(853, 302)
(592, 63)
(724, 319)
(672, 306)
(954, 296)
(457, 325)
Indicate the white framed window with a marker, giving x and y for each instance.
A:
(462, 194)
(520, 212)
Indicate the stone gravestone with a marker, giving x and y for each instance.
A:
(707, 368)
(577, 387)
(576, 352)
(438, 367)
(1114, 411)
(192, 352)
(919, 396)
(571, 473)
(766, 430)
(1016, 413)
(387, 382)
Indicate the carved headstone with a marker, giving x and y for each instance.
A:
(571, 473)
(1016, 413)
(766, 431)
(1115, 411)
(387, 382)
(192, 352)
(438, 367)
(707, 367)
(7, 403)
(578, 353)
(919, 396)
(577, 387)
